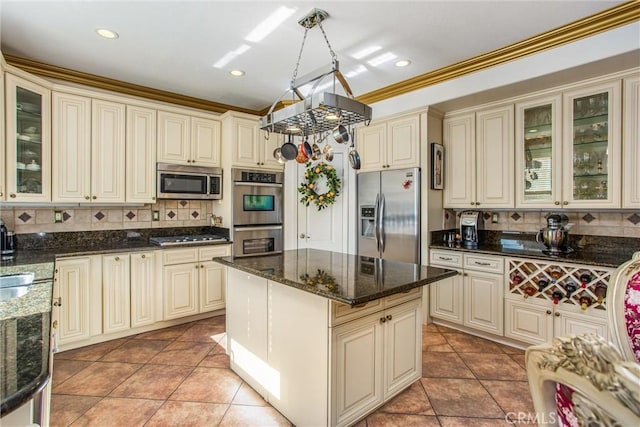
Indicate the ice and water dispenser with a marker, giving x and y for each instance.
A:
(368, 221)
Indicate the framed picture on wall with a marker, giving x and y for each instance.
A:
(437, 166)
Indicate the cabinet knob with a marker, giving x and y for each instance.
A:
(1, 194)
(143, 256)
(87, 197)
(565, 203)
(57, 302)
(302, 235)
(117, 258)
(477, 203)
(201, 266)
(153, 198)
(13, 196)
(389, 317)
(548, 312)
(94, 197)
(557, 203)
(557, 314)
(382, 320)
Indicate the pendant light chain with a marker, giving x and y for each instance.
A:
(295, 71)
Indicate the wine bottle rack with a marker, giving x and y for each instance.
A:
(523, 275)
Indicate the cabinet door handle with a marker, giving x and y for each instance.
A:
(482, 263)
(557, 314)
(477, 203)
(201, 266)
(565, 203)
(382, 320)
(557, 203)
(13, 196)
(548, 312)
(153, 198)
(117, 258)
(94, 197)
(445, 258)
(87, 197)
(57, 302)
(389, 317)
(143, 256)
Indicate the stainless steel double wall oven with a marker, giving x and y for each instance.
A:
(257, 212)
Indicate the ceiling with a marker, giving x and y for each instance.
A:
(173, 45)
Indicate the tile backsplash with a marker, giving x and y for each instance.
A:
(621, 224)
(172, 213)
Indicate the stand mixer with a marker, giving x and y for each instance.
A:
(555, 235)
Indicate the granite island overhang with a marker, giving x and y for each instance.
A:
(325, 337)
(345, 278)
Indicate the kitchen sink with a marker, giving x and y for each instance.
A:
(15, 285)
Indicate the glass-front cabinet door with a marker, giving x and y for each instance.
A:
(539, 153)
(592, 146)
(28, 143)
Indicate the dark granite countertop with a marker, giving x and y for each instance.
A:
(600, 251)
(349, 279)
(25, 324)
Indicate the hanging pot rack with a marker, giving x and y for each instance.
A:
(317, 112)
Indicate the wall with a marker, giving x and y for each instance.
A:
(173, 213)
(619, 224)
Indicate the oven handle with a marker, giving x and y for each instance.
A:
(257, 184)
(269, 227)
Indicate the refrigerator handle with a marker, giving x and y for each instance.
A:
(381, 221)
(376, 222)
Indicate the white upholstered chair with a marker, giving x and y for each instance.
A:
(586, 381)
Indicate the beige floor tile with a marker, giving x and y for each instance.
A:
(188, 414)
(411, 401)
(119, 412)
(65, 369)
(186, 353)
(99, 379)
(91, 352)
(379, 419)
(463, 343)
(170, 333)
(519, 359)
(202, 332)
(65, 409)
(461, 397)
(512, 396)
(153, 382)
(135, 351)
(473, 422)
(494, 366)
(240, 415)
(213, 385)
(444, 365)
(248, 396)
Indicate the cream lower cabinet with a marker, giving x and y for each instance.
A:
(531, 313)
(116, 291)
(77, 297)
(475, 297)
(192, 282)
(319, 362)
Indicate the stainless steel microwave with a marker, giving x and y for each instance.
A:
(189, 182)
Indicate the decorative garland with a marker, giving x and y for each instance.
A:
(308, 188)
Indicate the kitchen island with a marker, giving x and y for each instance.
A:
(326, 337)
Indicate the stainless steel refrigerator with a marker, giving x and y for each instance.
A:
(389, 215)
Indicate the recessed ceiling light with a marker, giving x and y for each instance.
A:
(403, 63)
(236, 73)
(107, 34)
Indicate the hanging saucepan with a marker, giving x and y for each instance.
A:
(289, 150)
(302, 155)
(354, 157)
(316, 153)
(340, 134)
(277, 154)
(307, 148)
(328, 153)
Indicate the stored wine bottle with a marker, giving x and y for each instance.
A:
(517, 279)
(585, 278)
(557, 296)
(530, 290)
(555, 274)
(570, 287)
(600, 291)
(585, 301)
(542, 284)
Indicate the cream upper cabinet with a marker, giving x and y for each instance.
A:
(189, 140)
(28, 140)
(592, 146)
(141, 155)
(392, 144)
(107, 151)
(631, 144)
(538, 176)
(479, 157)
(459, 136)
(3, 190)
(250, 147)
(71, 141)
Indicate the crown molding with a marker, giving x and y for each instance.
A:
(606, 20)
(92, 80)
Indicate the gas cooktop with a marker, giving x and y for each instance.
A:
(187, 240)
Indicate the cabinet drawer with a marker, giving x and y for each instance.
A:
(341, 313)
(209, 252)
(490, 264)
(179, 256)
(445, 258)
(396, 299)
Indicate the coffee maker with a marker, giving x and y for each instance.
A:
(7, 241)
(470, 223)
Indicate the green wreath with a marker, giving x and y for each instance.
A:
(308, 188)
